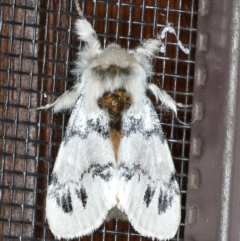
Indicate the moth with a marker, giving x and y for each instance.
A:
(114, 160)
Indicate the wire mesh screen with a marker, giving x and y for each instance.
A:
(37, 50)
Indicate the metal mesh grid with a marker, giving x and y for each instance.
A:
(37, 49)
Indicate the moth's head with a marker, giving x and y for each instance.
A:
(113, 57)
(112, 68)
(112, 63)
(115, 68)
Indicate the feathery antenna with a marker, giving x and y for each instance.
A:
(79, 9)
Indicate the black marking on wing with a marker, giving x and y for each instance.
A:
(58, 199)
(92, 125)
(134, 126)
(66, 203)
(103, 171)
(136, 169)
(163, 202)
(148, 195)
(53, 179)
(131, 124)
(165, 199)
(82, 195)
(65, 200)
(173, 183)
(95, 125)
(129, 172)
(173, 177)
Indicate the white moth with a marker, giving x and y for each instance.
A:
(113, 163)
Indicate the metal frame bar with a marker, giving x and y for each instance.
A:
(213, 190)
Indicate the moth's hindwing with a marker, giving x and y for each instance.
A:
(148, 191)
(83, 184)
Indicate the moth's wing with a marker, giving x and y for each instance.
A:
(148, 191)
(83, 184)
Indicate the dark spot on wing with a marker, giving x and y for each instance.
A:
(173, 183)
(66, 203)
(53, 179)
(82, 195)
(148, 195)
(164, 202)
(58, 199)
(173, 177)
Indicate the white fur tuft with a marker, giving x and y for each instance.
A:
(66, 101)
(86, 32)
(149, 47)
(162, 96)
(90, 51)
